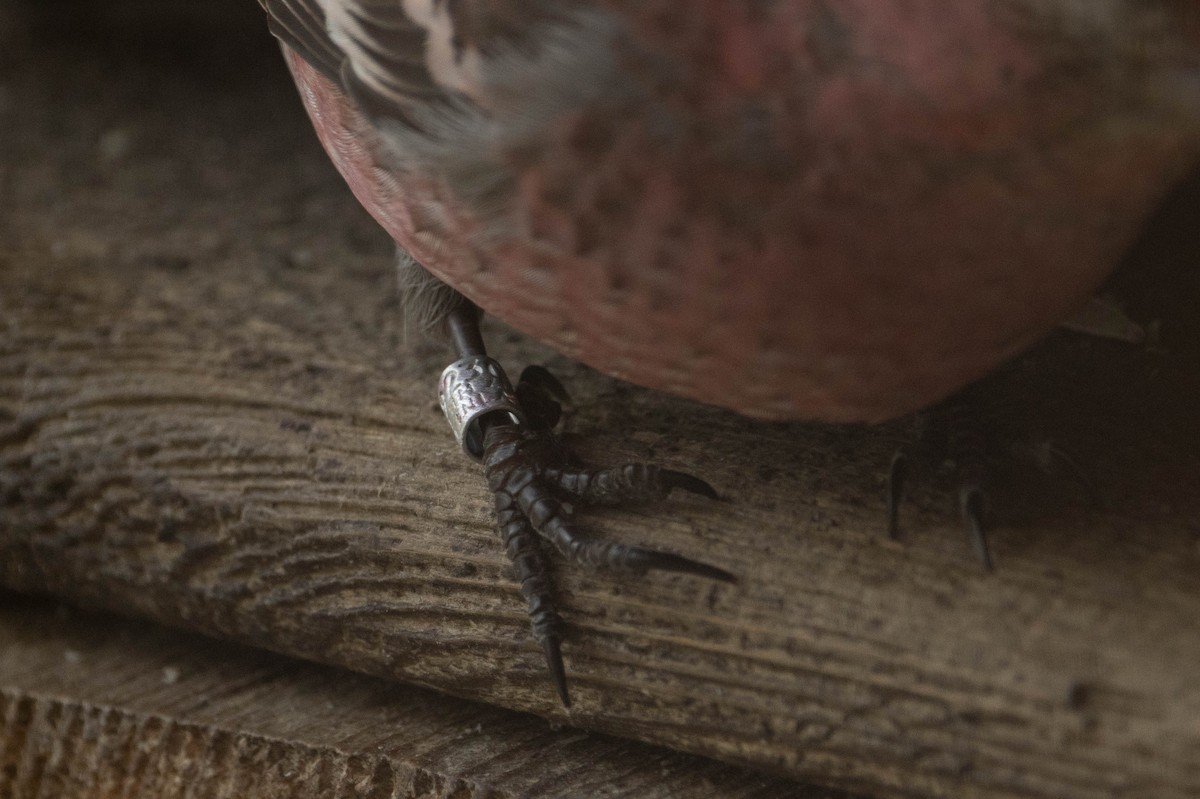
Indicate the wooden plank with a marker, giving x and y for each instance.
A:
(212, 419)
(91, 705)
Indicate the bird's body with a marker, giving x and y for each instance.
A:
(793, 209)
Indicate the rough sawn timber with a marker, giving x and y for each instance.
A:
(211, 419)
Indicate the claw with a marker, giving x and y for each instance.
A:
(689, 483)
(670, 562)
(546, 515)
(558, 673)
(630, 483)
(973, 503)
(897, 476)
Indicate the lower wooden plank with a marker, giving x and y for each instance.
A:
(92, 705)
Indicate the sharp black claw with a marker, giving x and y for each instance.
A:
(895, 492)
(670, 562)
(558, 673)
(690, 483)
(973, 502)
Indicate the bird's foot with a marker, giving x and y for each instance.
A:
(950, 432)
(972, 502)
(975, 440)
(536, 481)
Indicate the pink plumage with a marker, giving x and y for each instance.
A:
(806, 209)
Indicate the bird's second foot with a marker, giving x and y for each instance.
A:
(976, 440)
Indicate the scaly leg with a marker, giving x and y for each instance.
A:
(528, 469)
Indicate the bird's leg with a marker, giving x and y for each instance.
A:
(529, 472)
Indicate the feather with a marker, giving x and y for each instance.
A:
(300, 24)
(427, 300)
(455, 88)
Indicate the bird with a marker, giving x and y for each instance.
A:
(795, 209)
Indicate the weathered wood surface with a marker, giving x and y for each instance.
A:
(95, 706)
(211, 419)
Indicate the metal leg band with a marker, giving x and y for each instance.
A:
(471, 387)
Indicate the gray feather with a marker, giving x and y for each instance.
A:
(427, 300)
(456, 93)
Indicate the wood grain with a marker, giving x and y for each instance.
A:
(91, 705)
(212, 419)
